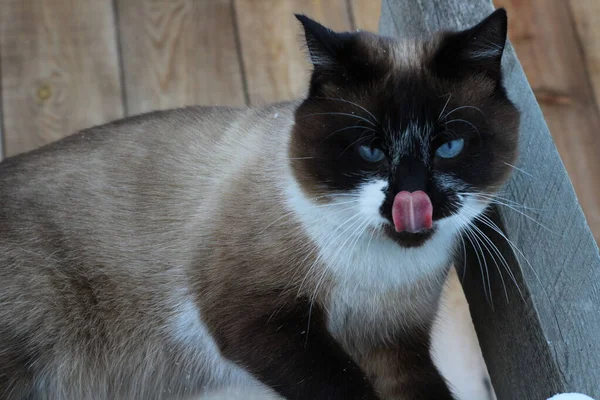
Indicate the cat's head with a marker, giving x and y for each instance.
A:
(405, 134)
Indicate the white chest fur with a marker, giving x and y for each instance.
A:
(381, 287)
(372, 274)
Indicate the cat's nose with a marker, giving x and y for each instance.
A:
(411, 175)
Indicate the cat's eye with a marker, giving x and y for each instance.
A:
(371, 154)
(450, 149)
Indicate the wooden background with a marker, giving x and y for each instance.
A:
(66, 65)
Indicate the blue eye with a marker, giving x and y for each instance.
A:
(450, 149)
(371, 154)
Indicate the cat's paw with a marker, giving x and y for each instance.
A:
(570, 396)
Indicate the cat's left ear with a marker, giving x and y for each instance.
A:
(474, 51)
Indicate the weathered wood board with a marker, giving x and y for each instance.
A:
(365, 14)
(585, 18)
(178, 53)
(275, 67)
(548, 47)
(546, 341)
(60, 69)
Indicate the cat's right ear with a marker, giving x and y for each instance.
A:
(324, 45)
(333, 54)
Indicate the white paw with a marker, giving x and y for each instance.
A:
(570, 396)
(455, 347)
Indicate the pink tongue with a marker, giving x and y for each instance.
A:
(412, 212)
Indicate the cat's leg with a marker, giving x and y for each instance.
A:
(406, 371)
(454, 350)
(290, 350)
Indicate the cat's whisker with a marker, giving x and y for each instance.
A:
(373, 230)
(468, 235)
(489, 245)
(488, 222)
(504, 263)
(292, 213)
(463, 121)
(336, 195)
(495, 227)
(521, 170)
(347, 128)
(460, 108)
(511, 206)
(277, 310)
(342, 114)
(479, 250)
(514, 207)
(325, 242)
(357, 234)
(360, 224)
(451, 133)
(497, 252)
(362, 137)
(444, 109)
(336, 203)
(531, 219)
(495, 197)
(351, 102)
(364, 227)
(464, 258)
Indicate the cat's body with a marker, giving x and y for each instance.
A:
(180, 251)
(128, 300)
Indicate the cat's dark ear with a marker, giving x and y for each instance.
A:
(324, 45)
(475, 50)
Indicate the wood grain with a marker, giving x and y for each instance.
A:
(1, 137)
(546, 338)
(365, 14)
(275, 67)
(178, 53)
(586, 15)
(548, 48)
(59, 68)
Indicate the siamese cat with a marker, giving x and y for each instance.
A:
(300, 246)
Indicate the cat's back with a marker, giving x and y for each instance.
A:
(129, 142)
(138, 185)
(114, 187)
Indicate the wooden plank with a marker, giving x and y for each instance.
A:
(59, 68)
(275, 67)
(548, 340)
(586, 14)
(548, 47)
(1, 134)
(178, 53)
(365, 14)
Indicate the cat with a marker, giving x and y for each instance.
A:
(300, 247)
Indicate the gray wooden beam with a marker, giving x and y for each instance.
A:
(547, 338)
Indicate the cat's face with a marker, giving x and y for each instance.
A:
(409, 133)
